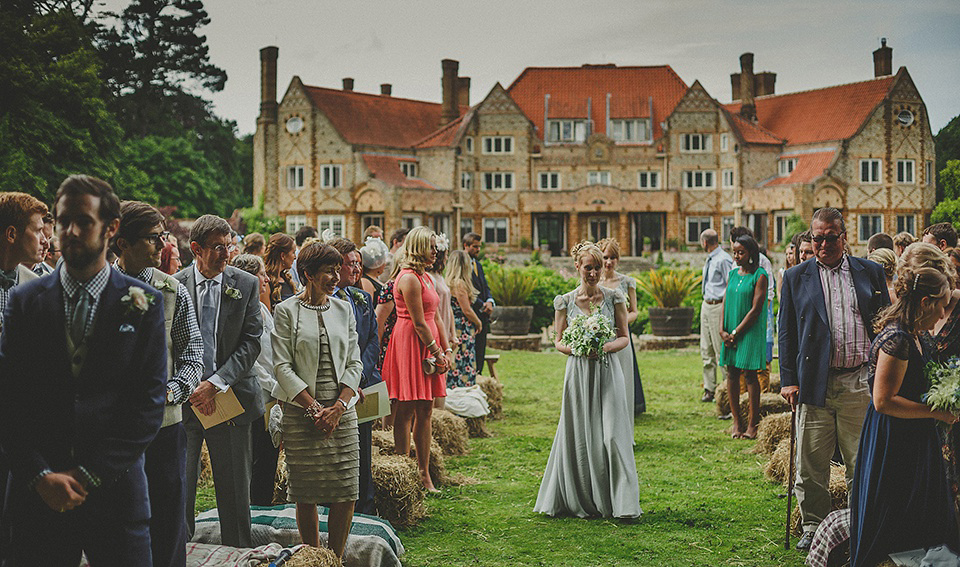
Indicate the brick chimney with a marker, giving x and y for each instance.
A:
(463, 91)
(748, 109)
(347, 84)
(449, 83)
(883, 60)
(765, 83)
(268, 83)
(386, 89)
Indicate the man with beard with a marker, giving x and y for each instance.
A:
(138, 244)
(83, 371)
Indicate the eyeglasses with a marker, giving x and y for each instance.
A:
(158, 238)
(221, 249)
(828, 238)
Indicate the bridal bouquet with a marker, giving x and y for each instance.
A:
(944, 392)
(586, 335)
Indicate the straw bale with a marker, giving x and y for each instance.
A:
(477, 426)
(398, 492)
(777, 467)
(771, 430)
(438, 470)
(309, 556)
(451, 432)
(769, 403)
(494, 392)
(775, 383)
(206, 472)
(838, 496)
(722, 399)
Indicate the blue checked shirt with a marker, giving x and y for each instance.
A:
(72, 288)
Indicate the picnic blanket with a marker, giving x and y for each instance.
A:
(833, 531)
(210, 555)
(372, 540)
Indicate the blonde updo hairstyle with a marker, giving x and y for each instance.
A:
(610, 244)
(887, 260)
(586, 248)
(922, 280)
(416, 249)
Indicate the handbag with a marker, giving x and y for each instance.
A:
(429, 365)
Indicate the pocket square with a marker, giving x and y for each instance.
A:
(127, 328)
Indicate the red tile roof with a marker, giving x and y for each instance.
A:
(752, 133)
(810, 167)
(377, 120)
(445, 136)
(387, 169)
(832, 113)
(570, 87)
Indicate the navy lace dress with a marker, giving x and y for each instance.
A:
(900, 498)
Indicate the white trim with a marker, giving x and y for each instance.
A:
(860, 218)
(491, 142)
(490, 178)
(506, 229)
(704, 141)
(337, 176)
(903, 171)
(875, 174)
(653, 180)
(689, 176)
(556, 175)
(597, 177)
(724, 183)
(295, 222)
(330, 221)
(699, 220)
(296, 177)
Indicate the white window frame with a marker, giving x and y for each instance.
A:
(409, 168)
(630, 130)
(599, 177)
(695, 143)
(331, 221)
(907, 223)
(411, 221)
(780, 225)
(331, 176)
(468, 144)
(502, 178)
(593, 225)
(699, 179)
(495, 228)
(295, 177)
(466, 225)
(566, 131)
(700, 227)
(549, 180)
(786, 166)
(295, 223)
(906, 171)
(860, 225)
(497, 145)
(727, 180)
(726, 227)
(724, 142)
(873, 172)
(648, 179)
(466, 180)
(929, 172)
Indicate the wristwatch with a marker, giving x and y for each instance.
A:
(343, 402)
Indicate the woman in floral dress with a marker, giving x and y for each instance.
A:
(466, 321)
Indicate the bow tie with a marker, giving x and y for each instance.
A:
(8, 279)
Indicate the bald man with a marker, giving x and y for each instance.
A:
(714, 286)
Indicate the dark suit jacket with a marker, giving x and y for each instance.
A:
(804, 332)
(104, 419)
(369, 341)
(238, 336)
(480, 283)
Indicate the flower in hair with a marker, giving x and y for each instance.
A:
(443, 243)
(327, 235)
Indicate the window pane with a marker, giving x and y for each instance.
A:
(508, 181)
(508, 145)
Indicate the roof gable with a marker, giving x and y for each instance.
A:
(820, 115)
(573, 89)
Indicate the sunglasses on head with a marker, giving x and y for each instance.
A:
(828, 238)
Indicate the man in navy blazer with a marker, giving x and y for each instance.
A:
(484, 303)
(827, 308)
(369, 343)
(83, 370)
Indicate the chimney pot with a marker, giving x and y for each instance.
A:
(748, 109)
(347, 84)
(883, 60)
(448, 82)
(463, 91)
(268, 83)
(386, 89)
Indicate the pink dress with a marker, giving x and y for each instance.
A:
(402, 365)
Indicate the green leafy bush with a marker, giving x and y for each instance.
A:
(510, 286)
(549, 284)
(668, 287)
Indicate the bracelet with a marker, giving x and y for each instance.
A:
(432, 343)
(449, 349)
(313, 410)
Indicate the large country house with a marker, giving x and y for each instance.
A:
(566, 153)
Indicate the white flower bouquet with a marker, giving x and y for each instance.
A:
(944, 391)
(586, 335)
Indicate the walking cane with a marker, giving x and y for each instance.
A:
(793, 444)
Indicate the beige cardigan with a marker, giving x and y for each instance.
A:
(296, 346)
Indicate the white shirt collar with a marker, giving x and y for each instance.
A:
(200, 278)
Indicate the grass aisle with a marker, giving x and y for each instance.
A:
(704, 497)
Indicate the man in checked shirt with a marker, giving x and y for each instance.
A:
(827, 308)
(138, 244)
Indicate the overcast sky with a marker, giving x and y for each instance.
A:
(809, 44)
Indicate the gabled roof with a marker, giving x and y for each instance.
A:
(376, 120)
(387, 170)
(751, 133)
(810, 167)
(570, 88)
(445, 136)
(820, 115)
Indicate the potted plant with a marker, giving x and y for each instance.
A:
(510, 288)
(669, 288)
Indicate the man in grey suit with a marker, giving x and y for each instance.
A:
(228, 309)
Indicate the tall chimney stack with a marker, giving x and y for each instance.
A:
(449, 111)
(765, 83)
(463, 91)
(268, 83)
(748, 109)
(386, 89)
(347, 84)
(883, 60)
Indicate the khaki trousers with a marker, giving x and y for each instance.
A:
(711, 319)
(819, 431)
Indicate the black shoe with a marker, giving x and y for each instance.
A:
(805, 540)
(707, 396)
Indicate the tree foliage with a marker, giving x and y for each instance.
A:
(950, 179)
(947, 211)
(948, 148)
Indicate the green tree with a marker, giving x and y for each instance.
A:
(795, 224)
(948, 148)
(947, 211)
(950, 179)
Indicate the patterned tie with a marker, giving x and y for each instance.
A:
(80, 312)
(208, 326)
(341, 294)
(703, 280)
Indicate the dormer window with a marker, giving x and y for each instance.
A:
(574, 131)
(636, 130)
(787, 166)
(409, 168)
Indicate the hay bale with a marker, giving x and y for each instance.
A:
(769, 403)
(838, 497)
(450, 431)
(775, 383)
(280, 480)
(205, 477)
(493, 389)
(778, 466)
(438, 470)
(398, 492)
(309, 556)
(722, 399)
(771, 430)
(477, 426)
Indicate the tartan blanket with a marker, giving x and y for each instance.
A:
(833, 531)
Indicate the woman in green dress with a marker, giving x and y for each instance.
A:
(744, 331)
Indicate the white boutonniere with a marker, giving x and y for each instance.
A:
(137, 300)
(359, 298)
(164, 285)
(232, 292)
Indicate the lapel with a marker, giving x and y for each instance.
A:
(863, 289)
(54, 321)
(814, 287)
(191, 284)
(104, 320)
(226, 307)
(307, 335)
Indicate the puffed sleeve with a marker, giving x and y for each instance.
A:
(560, 303)
(618, 296)
(631, 282)
(896, 344)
